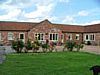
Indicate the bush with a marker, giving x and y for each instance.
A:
(70, 45)
(36, 45)
(18, 45)
(88, 43)
(45, 47)
(79, 46)
(28, 46)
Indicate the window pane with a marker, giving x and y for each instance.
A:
(91, 37)
(21, 36)
(41, 36)
(53, 36)
(86, 37)
(77, 36)
(50, 36)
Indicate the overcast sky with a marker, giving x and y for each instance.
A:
(56, 11)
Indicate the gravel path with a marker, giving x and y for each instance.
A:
(90, 49)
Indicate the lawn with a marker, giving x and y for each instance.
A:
(61, 63)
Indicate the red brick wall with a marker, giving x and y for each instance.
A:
(97, 38)
(45, 28)
(74, 37)
(4, 36)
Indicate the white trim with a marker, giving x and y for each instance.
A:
(10, 36)
(40, 36)
(89, 34)
(54, 37)
(78, 37)
(69, 34)
(23, 37)
(62, 38)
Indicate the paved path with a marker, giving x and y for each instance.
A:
(91, 49)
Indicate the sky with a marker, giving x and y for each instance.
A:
(76, 12)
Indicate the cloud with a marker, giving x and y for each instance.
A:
(41, 11)
(14, 8)
(51, 19)
(83, 13)
(68, 19)
(10, 14)
(74, 17)
(92, 22)
(91, 12)
(64, 1)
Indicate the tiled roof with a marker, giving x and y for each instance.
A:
(70, 28)
(23, 26)
(92, 28)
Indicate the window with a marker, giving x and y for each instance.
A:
(53, 36)
(77, 36)
(39, 36)
(69, 36)
(10, 36)
(22, 36)
(89, 37)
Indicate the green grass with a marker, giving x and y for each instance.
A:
(68, 63)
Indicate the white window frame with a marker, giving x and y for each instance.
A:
(77, 37)
(10, 36)
(55, 38)
(69, 34)
(41, 38)
(89, 37)
(92, 39)
(62, 38)
(23, 37)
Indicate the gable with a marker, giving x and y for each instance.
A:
(45, 26)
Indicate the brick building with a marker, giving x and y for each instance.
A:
(46, 30)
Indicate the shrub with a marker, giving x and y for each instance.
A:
(28, 46)
(18, 45)
(79, 46)
(45, 47)
(88, 43)
(70, 45)
(36, 45)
